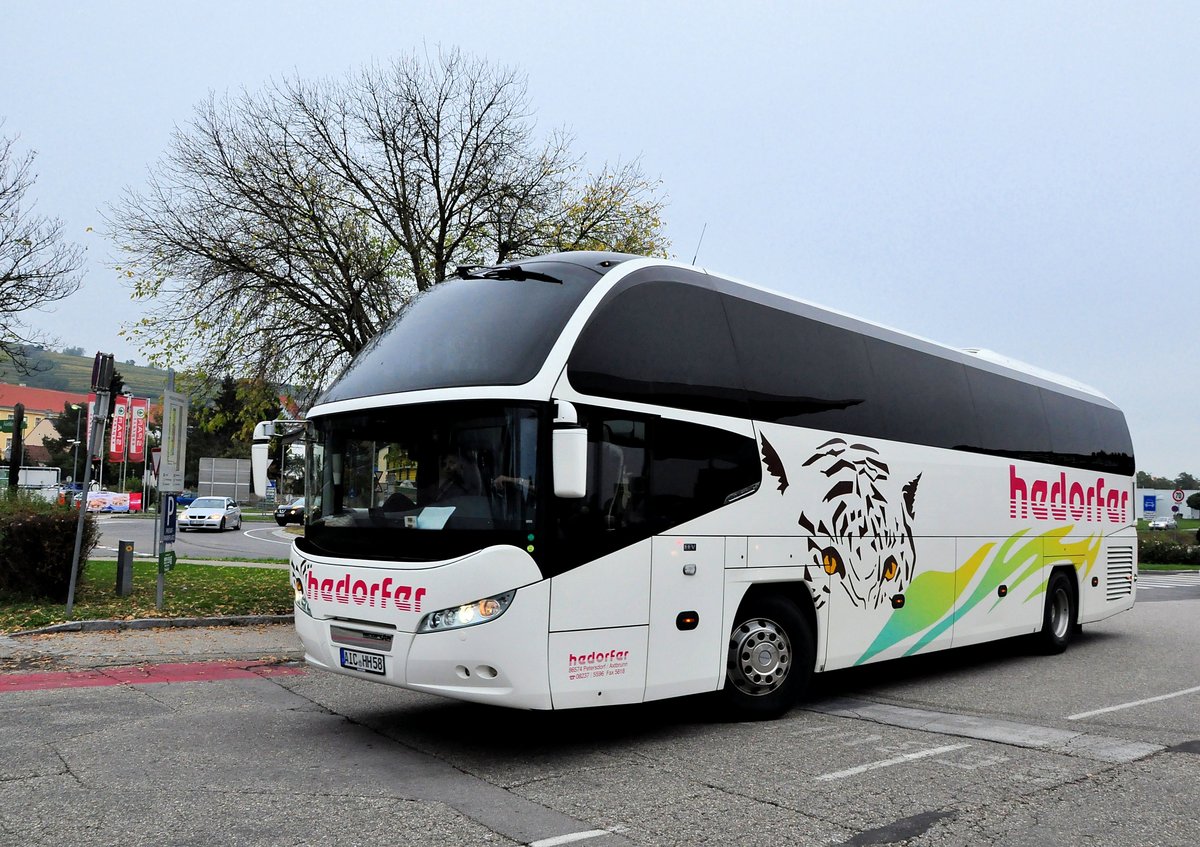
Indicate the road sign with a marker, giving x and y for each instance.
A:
(166, 561)
(168, 518)
(1149, 502)
(7, 426)
(174, 444)
(1177, 496)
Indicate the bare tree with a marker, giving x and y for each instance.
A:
(256, 262)
(284, 229)
(37, 267)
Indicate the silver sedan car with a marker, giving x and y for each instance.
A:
(217, 513)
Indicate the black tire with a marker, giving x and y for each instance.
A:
(281, 521)
(770, 660)
(221, 528)
(1059, 616)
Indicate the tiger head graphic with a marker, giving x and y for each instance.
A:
(859, 524)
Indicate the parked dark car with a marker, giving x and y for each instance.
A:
(184, 498)
(290, 513)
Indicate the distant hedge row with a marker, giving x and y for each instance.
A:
(37, 540)
(1180, 549)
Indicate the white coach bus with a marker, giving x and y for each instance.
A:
(591, 478)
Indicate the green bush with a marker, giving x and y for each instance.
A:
(37, 540)
(1168, 551)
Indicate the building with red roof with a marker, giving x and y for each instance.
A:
(40, 404)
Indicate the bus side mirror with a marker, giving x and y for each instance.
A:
(570, 447)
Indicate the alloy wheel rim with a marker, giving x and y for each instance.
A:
(1060, 613)
(760, 656)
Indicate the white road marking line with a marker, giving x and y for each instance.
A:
(886, 763)
(271, 540)
(1159, 578)
(1069, 742)
(570, 838)
(1131, 705)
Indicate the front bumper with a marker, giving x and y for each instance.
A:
(200, 523)
(502, 662)
(375, 608)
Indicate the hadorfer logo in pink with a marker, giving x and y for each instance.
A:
(1061, 498)
(347, 589)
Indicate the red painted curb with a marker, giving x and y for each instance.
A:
(143, 675)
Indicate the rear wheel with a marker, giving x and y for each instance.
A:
(1059, 616)
(770, 660)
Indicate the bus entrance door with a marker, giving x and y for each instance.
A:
(686, 630)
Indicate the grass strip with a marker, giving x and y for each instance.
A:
(189, 591)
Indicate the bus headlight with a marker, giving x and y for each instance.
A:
(480, 611)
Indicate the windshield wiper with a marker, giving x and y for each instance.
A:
(514, 272)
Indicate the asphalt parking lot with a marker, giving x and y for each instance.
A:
(988, 745)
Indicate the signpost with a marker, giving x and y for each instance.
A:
(174, 440)
(169, 466)
(168, 520)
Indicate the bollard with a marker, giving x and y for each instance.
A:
(124, 568)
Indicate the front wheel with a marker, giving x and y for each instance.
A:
(221, 528)
(770, 661)
(1061, 612)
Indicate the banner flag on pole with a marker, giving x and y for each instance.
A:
(139, 410)
(116, 441)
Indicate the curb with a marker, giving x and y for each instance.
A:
(155, 623)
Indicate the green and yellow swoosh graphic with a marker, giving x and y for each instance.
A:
(936, 598)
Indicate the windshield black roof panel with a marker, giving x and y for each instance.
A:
(475, 331)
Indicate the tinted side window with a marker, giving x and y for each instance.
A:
(1010, 416)
(1117, 447)
(1088, 436)
(1073, 430)
(926, 396)
(696, 469)
(803, 372)
(661, 342)
(645, 476)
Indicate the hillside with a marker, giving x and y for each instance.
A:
(74, 373)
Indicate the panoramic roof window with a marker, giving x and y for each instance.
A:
(474, 331)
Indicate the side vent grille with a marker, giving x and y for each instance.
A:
(1118, 577)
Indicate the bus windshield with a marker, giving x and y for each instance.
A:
(422, 482)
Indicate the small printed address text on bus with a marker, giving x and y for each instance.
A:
(597, 665)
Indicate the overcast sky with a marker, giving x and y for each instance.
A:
(1016, 176)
